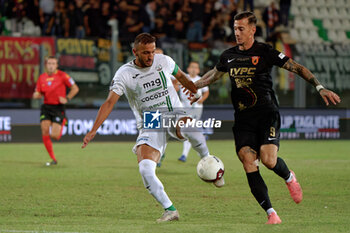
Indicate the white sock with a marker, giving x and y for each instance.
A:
(270, 211)
(186, 148)
(197, 140)
(147, 170)
(290, 178)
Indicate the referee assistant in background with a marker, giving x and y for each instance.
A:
(52, 85)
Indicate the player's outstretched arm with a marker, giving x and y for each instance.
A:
(302, 71)
(185, 82)
(105, 109)
(208, 78)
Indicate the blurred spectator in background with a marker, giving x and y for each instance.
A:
(151, 8)
(105, 29)
(56, 26)
(159, 30)
(92, 18)
(208, 14)
(143, 15)
(46, 12)
(70, 27)
(178, 26)
(164, 14)
(170, 20)
(129, 30)
(3, 29)
(233, 11)
(16, 20)
(175, 25)
(3, 7)
(284, 11)
(219, 31)
(250, 3)
(121, 10)
(79, 19)
(271, 18)
(195, 28)
(162, 30)
(32, 11)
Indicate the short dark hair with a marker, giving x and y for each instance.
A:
(144, 38)
(51, 57)
(246, 14)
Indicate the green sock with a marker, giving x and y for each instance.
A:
(171, 208)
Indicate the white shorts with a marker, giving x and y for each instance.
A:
(158, 139)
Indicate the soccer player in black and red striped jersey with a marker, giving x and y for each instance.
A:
(257, 118)
(52, 85)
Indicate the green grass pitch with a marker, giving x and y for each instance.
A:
(99, 189)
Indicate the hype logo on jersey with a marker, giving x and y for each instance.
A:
(152, 120)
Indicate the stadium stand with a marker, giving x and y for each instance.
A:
(319, 21)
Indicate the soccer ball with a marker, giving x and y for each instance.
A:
(210, 168)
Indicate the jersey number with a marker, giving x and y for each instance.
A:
(272, 131)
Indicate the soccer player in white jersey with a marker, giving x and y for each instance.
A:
(146, 83)
(196, 109)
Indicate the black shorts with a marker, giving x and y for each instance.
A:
(54, 113)
(256, 129)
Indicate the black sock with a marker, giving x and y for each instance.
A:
(259, 189)
(281, 169)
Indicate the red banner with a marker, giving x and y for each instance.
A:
(19, 64)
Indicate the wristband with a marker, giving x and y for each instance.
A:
(197, 95)
(319, 87)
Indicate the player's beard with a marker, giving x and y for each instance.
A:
(143, 63)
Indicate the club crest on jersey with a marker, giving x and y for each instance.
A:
(255, 60)
(159, 67)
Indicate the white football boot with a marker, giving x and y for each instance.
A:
(169, 215)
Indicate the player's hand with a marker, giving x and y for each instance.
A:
(194, 97)
(88, 137)
(62, 100)
(37, 95)
(329, 96)
(191, 97)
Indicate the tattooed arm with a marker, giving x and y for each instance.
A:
(302, 71)
(209, 77)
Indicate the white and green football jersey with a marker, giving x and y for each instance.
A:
(148, 89)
